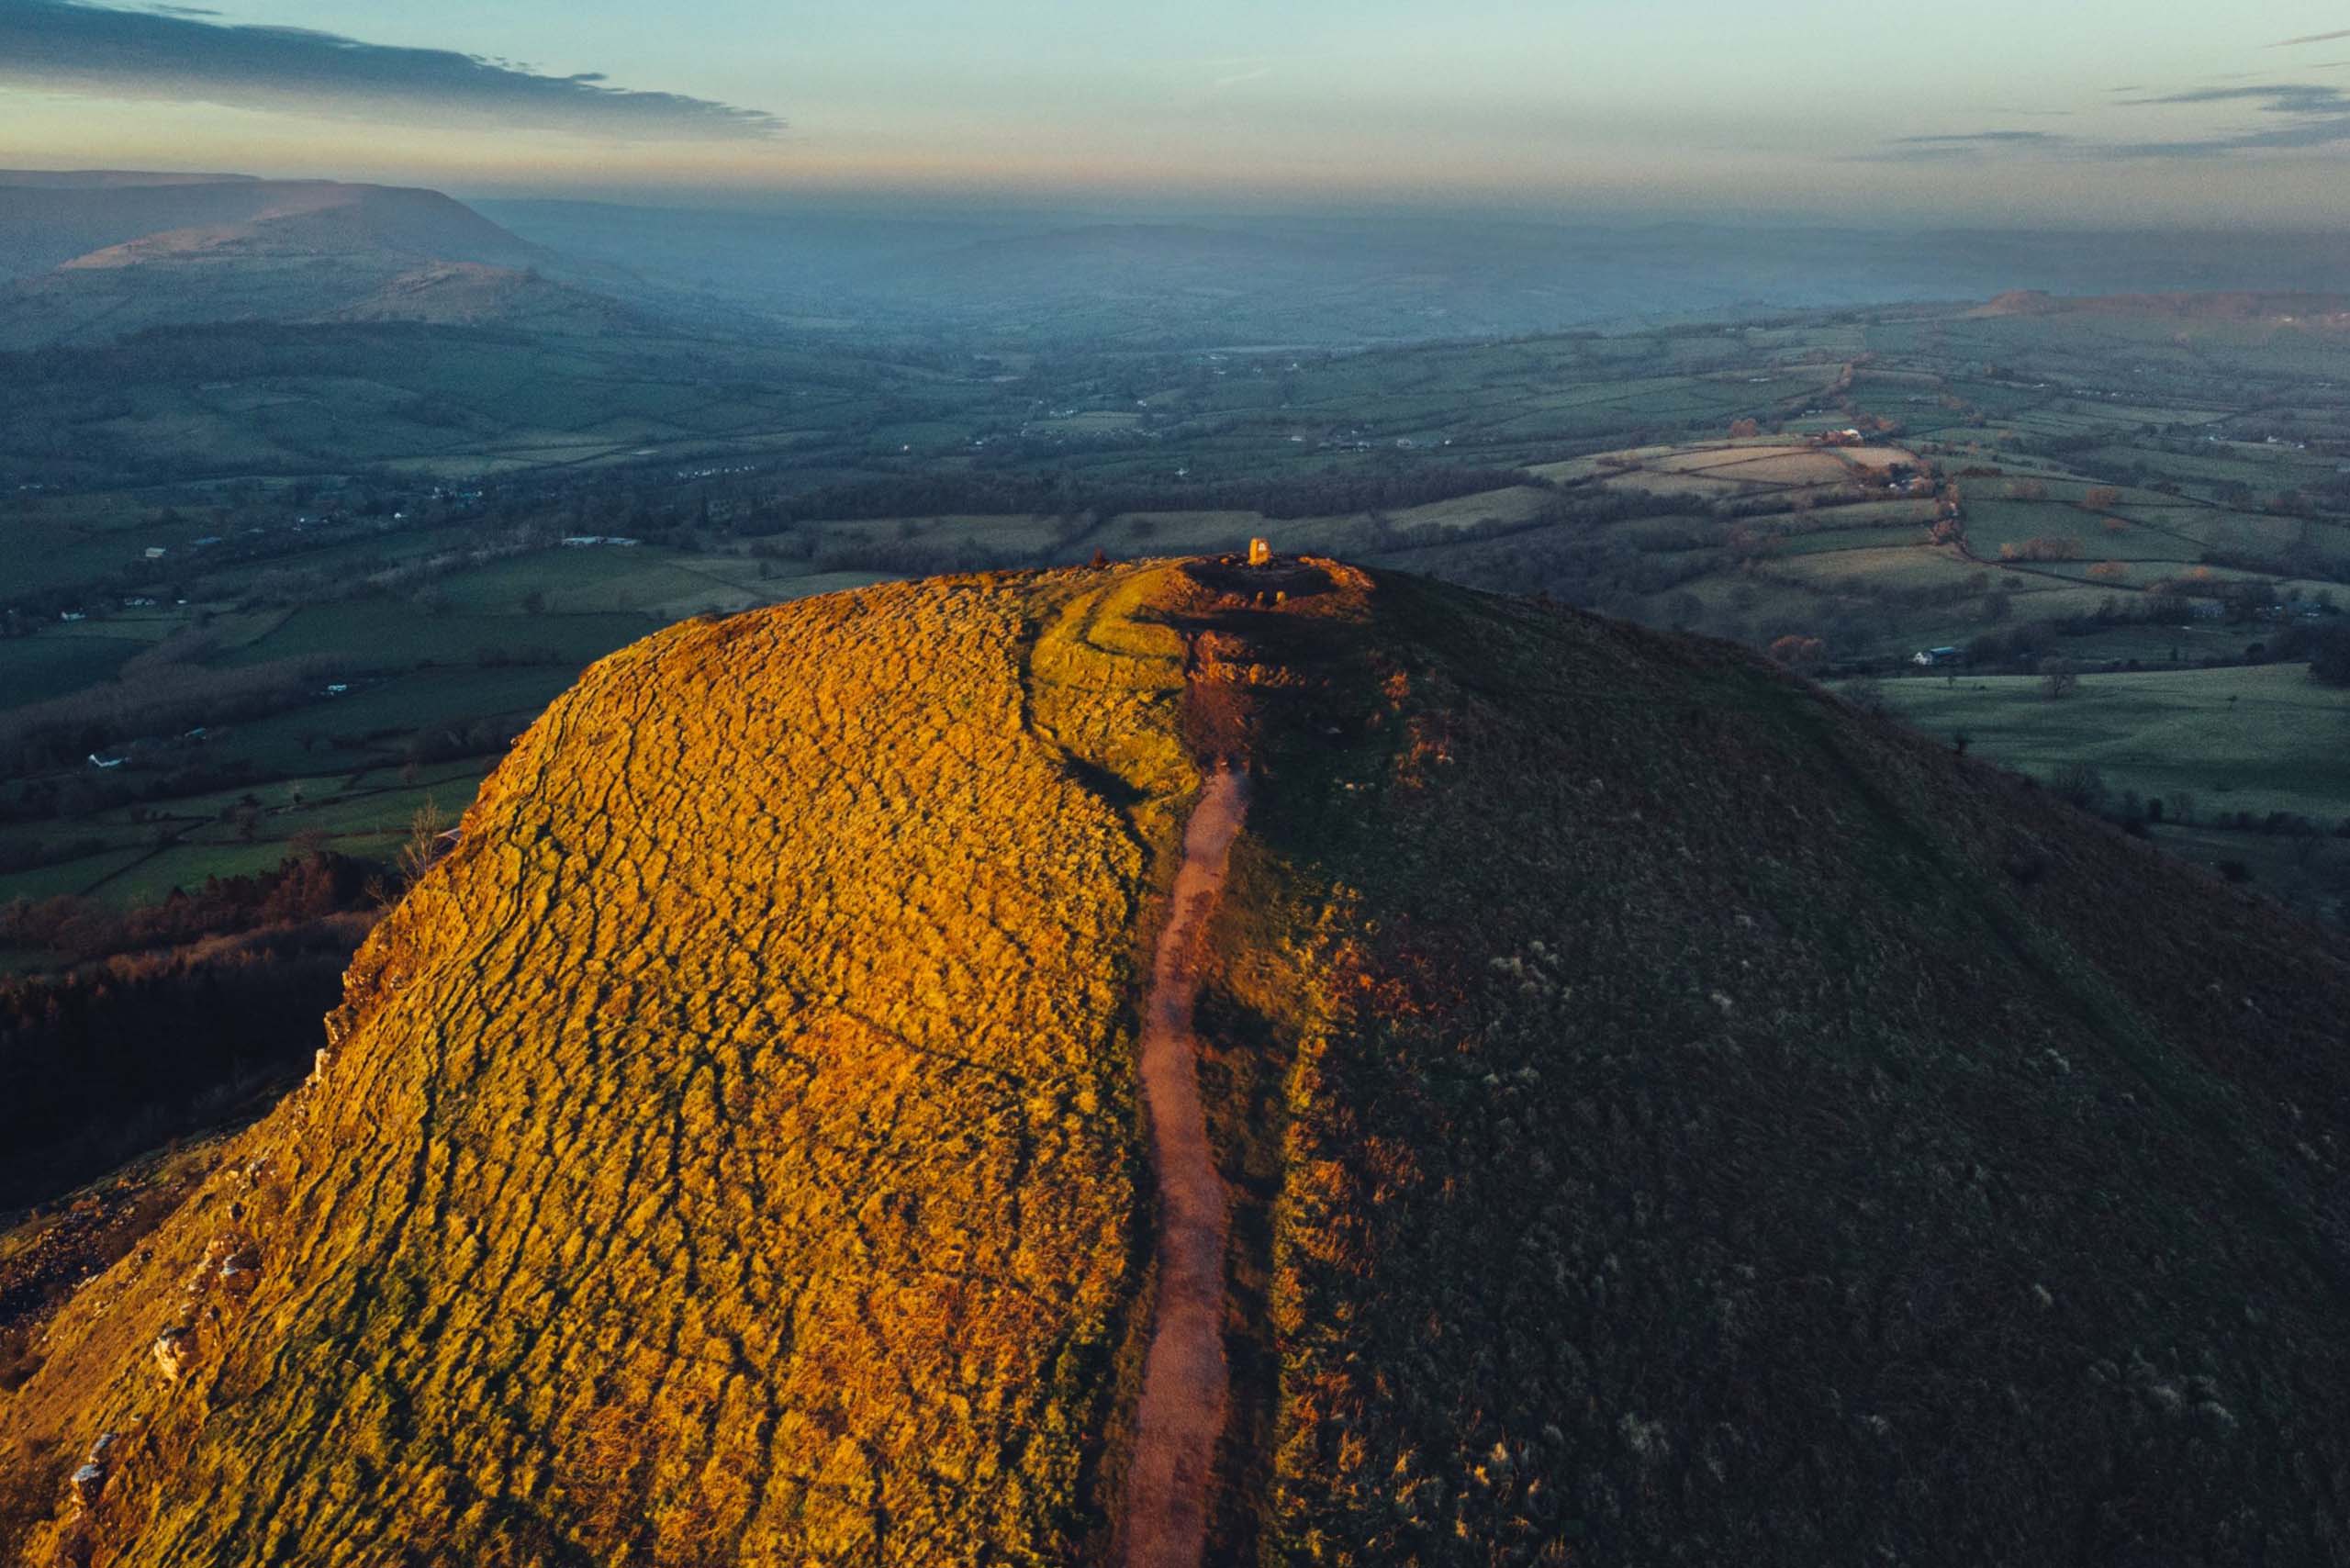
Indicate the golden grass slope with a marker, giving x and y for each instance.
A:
(726, 1154)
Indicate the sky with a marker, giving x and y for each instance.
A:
(1998, 112)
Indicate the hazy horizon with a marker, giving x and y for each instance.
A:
(2004, 115)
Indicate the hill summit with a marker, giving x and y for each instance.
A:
(1661, 1115)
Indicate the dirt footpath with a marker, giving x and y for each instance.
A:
(1164, 1521)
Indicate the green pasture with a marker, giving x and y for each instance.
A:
(2257, 738)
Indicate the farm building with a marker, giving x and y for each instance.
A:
(1931, 656)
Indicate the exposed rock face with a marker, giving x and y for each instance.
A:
(172, 1351)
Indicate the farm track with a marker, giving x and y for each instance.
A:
(1185, 1379)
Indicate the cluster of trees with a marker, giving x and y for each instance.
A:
(2020, 643)
(2327, 649)
(305, 887)
(1776, 503)
(2084, 785)
(459, 738)
(1583, 510)
(2239, 597)
(2304, 557)
(169, 1015)
(1600, 571)
(109, 1060)
(2046, 547)
(1798, 651)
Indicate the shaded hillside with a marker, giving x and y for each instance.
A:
(1045, 275)
(1723, 1128)
(1668, 1117)
(464, 294)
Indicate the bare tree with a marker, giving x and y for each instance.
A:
(418, 850)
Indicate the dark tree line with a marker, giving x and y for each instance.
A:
(304, 888)
(110, 1060)
(222, 1002)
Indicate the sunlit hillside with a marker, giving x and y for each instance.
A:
(1667, 1115)
(725, 1152)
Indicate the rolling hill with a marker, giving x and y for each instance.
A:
(90, 258)
(1663, 1114)
(2326, 311)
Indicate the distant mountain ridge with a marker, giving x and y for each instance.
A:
(88, 257)
(100, 179)
(50, 219)
(2303, 309)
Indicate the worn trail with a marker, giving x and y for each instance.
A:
(1184, 1379)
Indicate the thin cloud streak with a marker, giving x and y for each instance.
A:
(2316, 116)
(2319, 117)
(71, 46)
(2277, 97)
(1963, 145)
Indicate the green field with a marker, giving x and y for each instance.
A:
(2260, 738)
(2250, 763)
(380, 508)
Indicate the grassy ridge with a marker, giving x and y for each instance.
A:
(727, 1152)
(1669, 1115)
